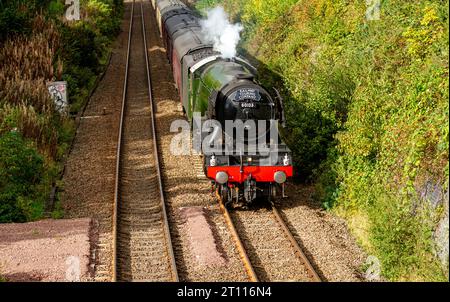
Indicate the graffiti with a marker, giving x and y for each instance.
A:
(58, 92)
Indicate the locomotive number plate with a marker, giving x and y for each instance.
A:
(247, 94)
(248, 105)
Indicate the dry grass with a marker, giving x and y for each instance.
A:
(27, 64)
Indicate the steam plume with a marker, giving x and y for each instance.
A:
(219, 31)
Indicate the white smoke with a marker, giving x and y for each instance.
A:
(219, 31)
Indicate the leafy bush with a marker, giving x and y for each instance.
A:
(80, 48)
(100, 14)
(55, 9)
(205, 4)
(85, 43)
(12, 22)
(16, 16)
(21, 171)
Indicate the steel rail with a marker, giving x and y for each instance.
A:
(119, 152)
(297, 249)
(244, 257)
(170, 252)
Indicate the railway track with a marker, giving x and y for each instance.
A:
(142, 247)
(252, 253)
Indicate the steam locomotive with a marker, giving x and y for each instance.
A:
(225, 90)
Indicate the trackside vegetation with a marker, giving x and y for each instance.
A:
(366, 96)
(38, 46)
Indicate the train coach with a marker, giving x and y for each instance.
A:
(224, 90)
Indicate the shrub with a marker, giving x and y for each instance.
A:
(21, 171)
(79, 47)
(16, 16)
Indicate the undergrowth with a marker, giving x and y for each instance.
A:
(38, 46)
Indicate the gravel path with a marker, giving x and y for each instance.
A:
(90, 168)
(47, 250)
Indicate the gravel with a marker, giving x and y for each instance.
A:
(325, 238)
(268, 249)
(203, 245)
(90, 168)
(47, 250)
